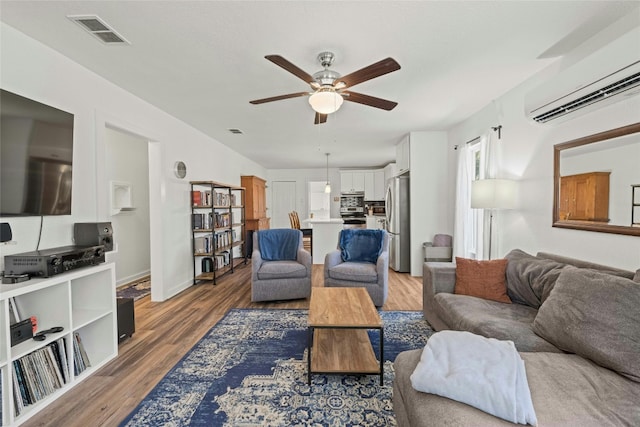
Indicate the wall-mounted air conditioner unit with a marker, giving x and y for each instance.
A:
(608, 75)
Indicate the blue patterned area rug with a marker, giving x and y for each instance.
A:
(250, 370)
(136, 290)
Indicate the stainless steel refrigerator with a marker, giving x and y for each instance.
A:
(398, 224)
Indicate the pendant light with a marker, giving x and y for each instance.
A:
(327, 188)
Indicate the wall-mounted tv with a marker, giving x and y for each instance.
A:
(36, 155)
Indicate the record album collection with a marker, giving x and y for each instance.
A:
(40, 373)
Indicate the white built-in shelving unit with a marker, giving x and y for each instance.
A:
(82, 301)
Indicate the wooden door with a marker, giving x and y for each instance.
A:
(585, 197)
(583, 208)
(566, 197)
(259, 197)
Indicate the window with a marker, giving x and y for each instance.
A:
(477, 215)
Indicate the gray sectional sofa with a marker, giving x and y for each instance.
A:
(576, 325)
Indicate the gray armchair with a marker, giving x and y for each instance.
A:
(373, 277)
(440, 250)
(279, 279)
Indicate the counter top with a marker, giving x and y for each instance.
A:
(323, 221)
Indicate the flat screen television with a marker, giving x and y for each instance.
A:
(36, 156)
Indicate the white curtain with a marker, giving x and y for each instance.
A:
(489, 157)
(489, 167)
(475, 161)
(464, 233)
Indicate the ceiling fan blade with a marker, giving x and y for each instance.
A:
(320, 118)
(378, 69)
(278, 98)
(371, 101)
(281, 62)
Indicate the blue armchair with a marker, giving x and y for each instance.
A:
(280, 267)
(373, 274)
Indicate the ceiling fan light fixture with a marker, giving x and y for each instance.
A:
(326, 101)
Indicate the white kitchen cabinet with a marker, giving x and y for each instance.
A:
(372, 182)
(346, 181)
(389, 171)
(402, 156)
(379, 187)
(351, 181)
(358, 181)
(369, 186)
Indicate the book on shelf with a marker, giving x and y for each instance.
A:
(18, 394)
(196, 198)
(201, 198)
(206, 244)
(81, 360)
(197, 221)
(201, 221)
(225, 199)
(83, 352)
(224, 238)
(222, 220)
(222, 259)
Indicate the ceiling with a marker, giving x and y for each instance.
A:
(203, 61)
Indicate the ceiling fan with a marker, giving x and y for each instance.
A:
(330, 89)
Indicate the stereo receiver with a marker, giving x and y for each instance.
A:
(49, 262)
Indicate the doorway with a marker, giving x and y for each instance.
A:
(103, 123)
(127, 161)
(319, 200)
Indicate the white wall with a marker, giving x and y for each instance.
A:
(31, 69)
(527, 155)
(127, 160)
(302, 177)
(432, 197)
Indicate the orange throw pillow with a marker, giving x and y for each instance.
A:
(482, 279)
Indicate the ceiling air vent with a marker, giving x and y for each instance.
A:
(98, 28)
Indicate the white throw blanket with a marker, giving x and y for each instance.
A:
(482, 372)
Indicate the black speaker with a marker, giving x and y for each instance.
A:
(21, 331)
(93, 234)
(5, 232)
(126, 319)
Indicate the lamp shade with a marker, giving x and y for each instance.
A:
(493, 194)
(326, 101)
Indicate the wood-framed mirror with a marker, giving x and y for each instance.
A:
(595, 180)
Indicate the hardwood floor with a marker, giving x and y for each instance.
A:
(165, 332)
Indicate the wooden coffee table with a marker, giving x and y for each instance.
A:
(338, 342)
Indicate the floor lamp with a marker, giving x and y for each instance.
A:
(493, 194)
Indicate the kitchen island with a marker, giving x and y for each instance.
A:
(325, 236)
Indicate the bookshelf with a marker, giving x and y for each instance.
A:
(218, 229)
(83, 302)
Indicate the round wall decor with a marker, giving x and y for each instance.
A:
(180, 169)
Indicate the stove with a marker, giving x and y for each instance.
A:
(354, 222)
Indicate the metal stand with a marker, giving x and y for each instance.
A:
(490, 230)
